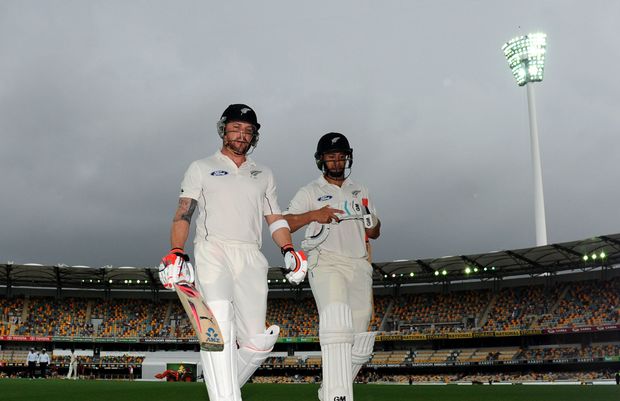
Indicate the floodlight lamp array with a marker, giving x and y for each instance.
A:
(526, 57)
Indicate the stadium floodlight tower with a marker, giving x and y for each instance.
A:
(526, 58)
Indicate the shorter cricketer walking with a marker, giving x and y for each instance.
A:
(339, 219)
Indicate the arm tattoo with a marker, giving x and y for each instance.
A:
(185, 210)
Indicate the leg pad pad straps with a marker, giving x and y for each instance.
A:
(362, 351)
(220, 368)
(336, 336)
(254, 353)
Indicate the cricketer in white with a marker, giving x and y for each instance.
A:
(339, 271)
(233, 194)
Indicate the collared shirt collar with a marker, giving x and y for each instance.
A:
(322, 182)
(248, 160)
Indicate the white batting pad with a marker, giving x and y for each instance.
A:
(362, 351)
(336, 336)
(254, 353)
(220, 368)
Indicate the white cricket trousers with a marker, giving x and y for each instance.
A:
(72, 370)
(235, 272)
(340, 279)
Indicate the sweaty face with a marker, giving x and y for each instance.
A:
(238, 136)
(335, 163)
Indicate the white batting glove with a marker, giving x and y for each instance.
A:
(314, 238)
(175, 268)
(295, 264)
(352, 210)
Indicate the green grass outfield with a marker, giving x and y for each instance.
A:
(65, 390)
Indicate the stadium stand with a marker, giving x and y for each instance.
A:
(518, 308)
(512, 330)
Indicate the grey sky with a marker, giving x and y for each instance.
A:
(103, 105)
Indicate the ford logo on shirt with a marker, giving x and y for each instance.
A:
(219, 173)
(324, 198)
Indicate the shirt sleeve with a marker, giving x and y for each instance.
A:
(192, 182)
(270, 201)
(300, 203)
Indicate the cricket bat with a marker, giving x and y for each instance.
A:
(202, 319)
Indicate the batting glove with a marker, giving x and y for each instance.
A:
(370, 219)
(175, 268)
(295, 264)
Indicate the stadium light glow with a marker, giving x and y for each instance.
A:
(485, 269)
(436, 272)
(467, 270)
(393, 275)
(526, 59)
(593, 256)
(602, 255)
(444, 272)
(268, 281)
(585, 258)
(475, 270)
(110, 281)
(411, 274)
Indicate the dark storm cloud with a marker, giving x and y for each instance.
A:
(104, 104)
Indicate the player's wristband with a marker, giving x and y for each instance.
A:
(278, 224)
(180, 252)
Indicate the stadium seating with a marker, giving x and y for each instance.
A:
(563, 305)
(516, 308)
(432, 312)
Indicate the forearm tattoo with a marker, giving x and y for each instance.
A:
(185, 210)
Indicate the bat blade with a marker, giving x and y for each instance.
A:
(202, 319)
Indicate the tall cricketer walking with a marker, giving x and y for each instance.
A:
(340, 218)
(232, 194)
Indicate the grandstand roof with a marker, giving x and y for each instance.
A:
(527, 261)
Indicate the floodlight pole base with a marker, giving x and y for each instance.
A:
(539, 200)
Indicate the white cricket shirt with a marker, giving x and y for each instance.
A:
(33, 357)
(347, 238)
(231, 200)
